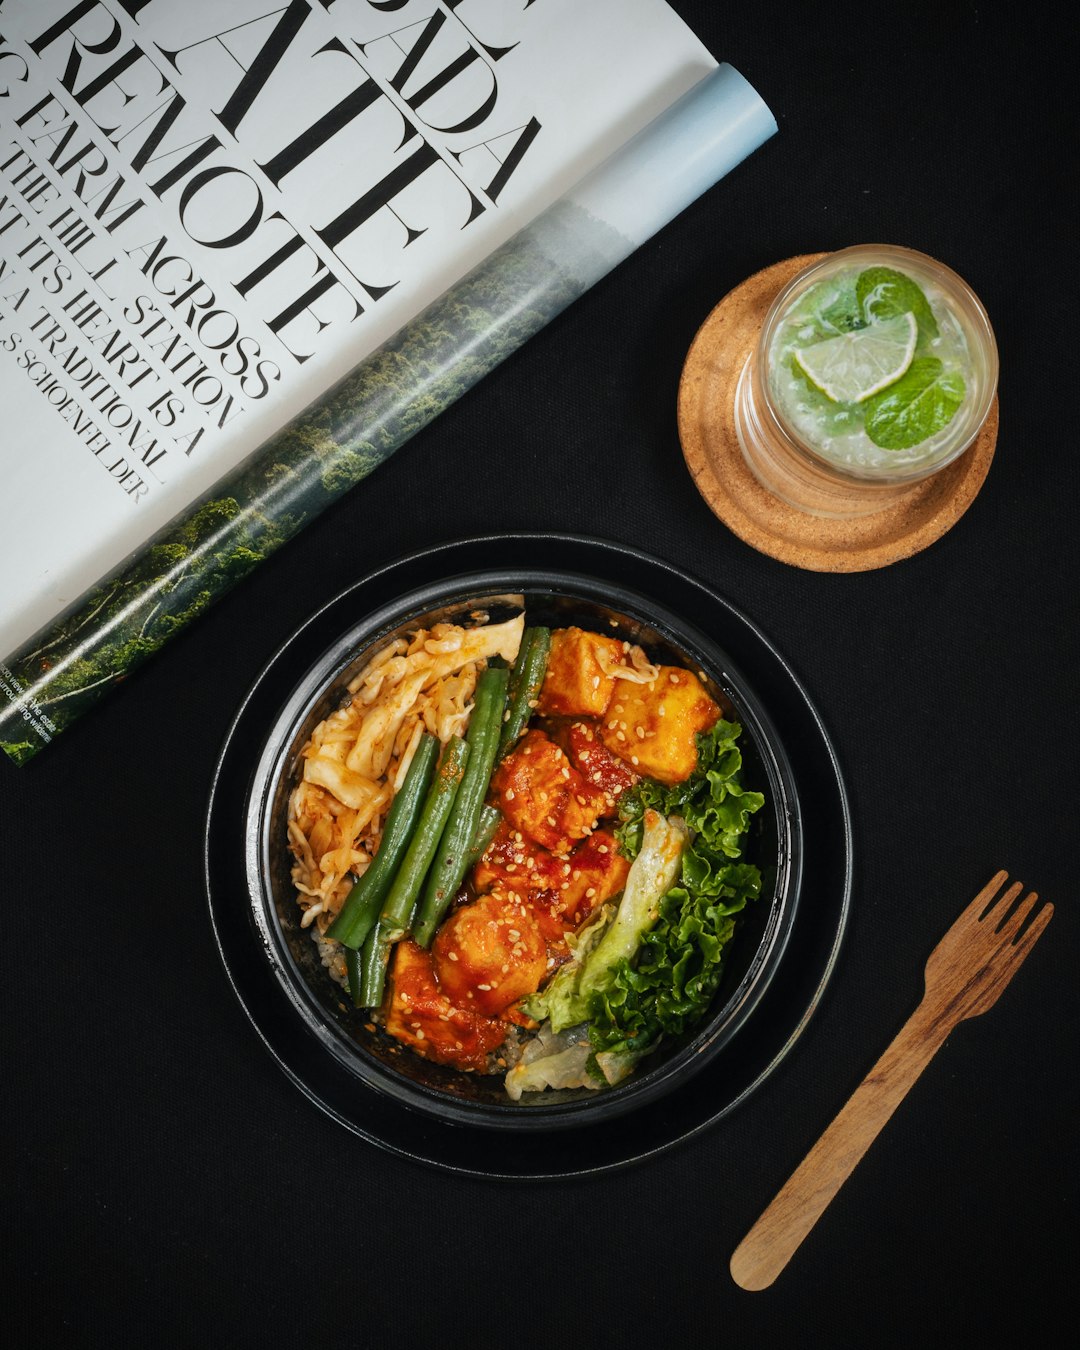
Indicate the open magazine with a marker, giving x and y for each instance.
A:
(248, 251)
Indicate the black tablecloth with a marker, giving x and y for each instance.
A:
(165, 1182)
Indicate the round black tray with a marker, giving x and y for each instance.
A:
(709, 1095)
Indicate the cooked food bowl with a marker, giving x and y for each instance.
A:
(357, 1036)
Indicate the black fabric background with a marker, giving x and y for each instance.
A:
(164, 1183)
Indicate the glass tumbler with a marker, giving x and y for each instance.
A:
(876, 366)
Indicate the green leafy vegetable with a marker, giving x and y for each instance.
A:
(922, 402)
(883, 293)
(678, 966)
(712, 801)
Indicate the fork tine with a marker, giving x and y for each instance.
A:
(983, 901)
(1032, 935)
(988, 900)
(999, 906)
(1009, 925)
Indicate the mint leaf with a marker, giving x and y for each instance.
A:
(825, 311)
(921, 402)
(883, 293)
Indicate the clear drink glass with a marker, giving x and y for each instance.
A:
(902, 389)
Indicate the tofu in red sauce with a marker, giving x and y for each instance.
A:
(595, 762)
(543, 796)
(421, 1015)
(490, 953)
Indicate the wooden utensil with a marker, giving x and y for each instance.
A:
(966, 972)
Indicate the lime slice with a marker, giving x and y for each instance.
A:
(852, 367)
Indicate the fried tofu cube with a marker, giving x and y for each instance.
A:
(595, 762)
(654, 726)
(560, 892)
(513, 862)
(575, 683)
(543, 796)
(597, 872)
(490, 953)
(420, 1014)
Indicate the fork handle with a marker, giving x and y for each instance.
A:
(771, 1242)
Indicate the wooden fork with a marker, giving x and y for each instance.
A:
(966, 972)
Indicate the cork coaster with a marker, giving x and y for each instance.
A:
(711, 449)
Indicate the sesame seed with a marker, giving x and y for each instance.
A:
(602, 849)
(613, 724)
(420, 1036)
(674, 679)
(566, 773)
(511, 867)
(620, 735)
(505, 967)
(485, 987)
(453, 956)
(551, 821)
(640, 733)
(514, 935)
(509, 794)
(661, 711)
(590, 892)
(596, 681)
(618, 708)
(633, 759)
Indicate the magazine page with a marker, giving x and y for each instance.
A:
(210, 214)
(394, 392)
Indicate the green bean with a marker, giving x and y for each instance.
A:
(448, 866)
(400, 903)
(526, 682)
(374, 958)
(485, 832)
(352, 969)
(364, 902)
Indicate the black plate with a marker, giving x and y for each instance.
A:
(734, 1072)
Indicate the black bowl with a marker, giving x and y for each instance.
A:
(775, 844)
